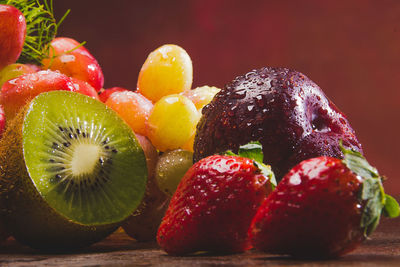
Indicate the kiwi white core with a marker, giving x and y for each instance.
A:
(82, 158)
(85, 158)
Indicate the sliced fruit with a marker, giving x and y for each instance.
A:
(142, 225)
(73, 171)
(18, 92)
(167, 70)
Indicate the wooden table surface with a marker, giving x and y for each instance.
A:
(382, 249)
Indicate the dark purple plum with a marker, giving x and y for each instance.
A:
(284, 110)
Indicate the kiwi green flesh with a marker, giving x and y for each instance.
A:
(23, 210)
(60, 130)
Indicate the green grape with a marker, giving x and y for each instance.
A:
(170, 169)
(13, 71)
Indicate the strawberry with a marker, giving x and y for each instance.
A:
(214, 203)
(324, 207)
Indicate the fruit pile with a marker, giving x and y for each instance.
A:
(78, 161)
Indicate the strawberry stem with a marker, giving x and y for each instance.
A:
(371, 193)
(253, 150)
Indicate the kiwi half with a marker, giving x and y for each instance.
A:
(71, 171)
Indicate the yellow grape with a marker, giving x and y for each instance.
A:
(189, 144)
(167, 70)
(201, 96)
(172, 122)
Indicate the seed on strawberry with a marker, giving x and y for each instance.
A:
(324, 207)
(214, 203)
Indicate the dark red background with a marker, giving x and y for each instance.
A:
(350, 48)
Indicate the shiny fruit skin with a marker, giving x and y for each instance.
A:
(314, 212)
(12, 34)
(85, 88)
(189, 144)
(201, 96)
(104, 94)
(171, 167)
(17, 92)
(142, 225)
(283, 109)
(133, 107)
(15, 70)
(172, 122)
(167, 70)
(212, 207)
(75, 61)
(2, 121)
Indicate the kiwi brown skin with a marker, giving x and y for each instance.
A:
(28, 217)
(4, 233)
(143, 224)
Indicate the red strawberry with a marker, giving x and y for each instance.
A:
(324, 207)
(213, 205)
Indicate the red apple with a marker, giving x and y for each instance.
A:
(66, 57)
(12, 34)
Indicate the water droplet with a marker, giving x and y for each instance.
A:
(260, 101)
(231, 112)
(239, 94)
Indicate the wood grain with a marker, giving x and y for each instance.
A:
(382, 249)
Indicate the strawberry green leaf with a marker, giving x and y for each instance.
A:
(358, 164)
(391, 209)
(372, 195)
(253, 150)
(267, 172)
(371, 213)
